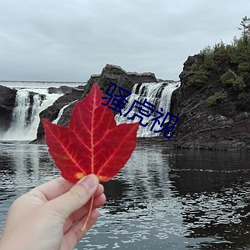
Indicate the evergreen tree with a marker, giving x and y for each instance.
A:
(245, 28)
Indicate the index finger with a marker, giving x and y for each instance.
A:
(54, 188)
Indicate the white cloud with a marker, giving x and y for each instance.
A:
(70, 40)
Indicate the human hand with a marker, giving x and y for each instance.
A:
(50, 216)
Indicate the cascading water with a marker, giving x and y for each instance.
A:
(20, 112)
(158, 94)
(61, 112)
(25, 117)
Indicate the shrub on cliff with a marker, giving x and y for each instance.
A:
(223, 70)
(197, 75)
(230, 79)
(232, 60)
(227, 63)
(216, 98)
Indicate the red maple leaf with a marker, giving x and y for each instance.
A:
(92, 142)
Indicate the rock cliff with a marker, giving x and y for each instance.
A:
(7, 104)
(52, 112)
(212, 116)
(118, 76)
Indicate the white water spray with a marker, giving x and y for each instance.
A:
(61, 112)
(158, 94)
(25, 117)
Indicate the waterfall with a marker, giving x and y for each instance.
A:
(61, 112)
(25, 117)
(21, 111)
(158, 94)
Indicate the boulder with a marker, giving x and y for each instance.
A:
(118, 76)
(7, 104)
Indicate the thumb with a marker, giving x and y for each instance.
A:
(76, 197)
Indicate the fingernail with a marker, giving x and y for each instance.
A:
(89, 182)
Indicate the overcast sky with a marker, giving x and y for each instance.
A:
(68, 40)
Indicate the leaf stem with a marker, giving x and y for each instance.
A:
(88, 216)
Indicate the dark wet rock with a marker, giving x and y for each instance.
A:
(118, 76)
(60, 90)
(64, 89)
(51, 113)
(110, 73)
(7, 105)
(31, 102)
(225, 125)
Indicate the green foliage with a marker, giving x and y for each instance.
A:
(228, 78)
(214, 61)
(206, 51)
(231, 79)
(226, 69)
(229, 63)
(242, 96)
(216, 98)
(239, 84)
(244, 69)
(210, 65)
(245, 22)
(197, 75)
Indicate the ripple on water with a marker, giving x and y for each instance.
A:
(155, 202)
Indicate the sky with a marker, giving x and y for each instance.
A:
(69, 40)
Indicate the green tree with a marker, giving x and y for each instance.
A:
(216, 98)
(245, 28)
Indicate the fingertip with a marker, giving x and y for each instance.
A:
(103, 199)
(76, 197)
(101, 187)
(95, 213)
(100, 201)
(99, 190)
(90, 182)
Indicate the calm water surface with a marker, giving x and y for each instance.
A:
(162, 199)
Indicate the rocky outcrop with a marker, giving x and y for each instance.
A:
(7, 104)
(51, 113)
(110, 73)
(64, 89)
(208, 119)
(118, 76)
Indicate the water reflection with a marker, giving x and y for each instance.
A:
(26, 164)
(214, 187)
(141, 207)
(22, 167)
(162, 199)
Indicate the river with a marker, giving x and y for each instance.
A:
(162, 199)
